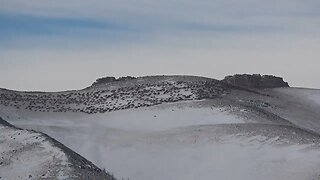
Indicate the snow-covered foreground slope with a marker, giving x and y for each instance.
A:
(233, 133)
(34, 157)
(27, 154)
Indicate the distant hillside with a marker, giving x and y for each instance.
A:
(111, 94)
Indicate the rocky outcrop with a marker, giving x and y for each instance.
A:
(109, 79)
(255, 81)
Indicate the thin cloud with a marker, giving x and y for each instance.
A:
(124, 37)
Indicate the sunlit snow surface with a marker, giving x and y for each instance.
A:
(29, 155)
(181, 141)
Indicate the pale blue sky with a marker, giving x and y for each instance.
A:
(56, 45)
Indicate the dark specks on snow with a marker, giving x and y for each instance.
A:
(111, 95)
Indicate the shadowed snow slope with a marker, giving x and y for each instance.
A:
(299, 106)
(180, 127)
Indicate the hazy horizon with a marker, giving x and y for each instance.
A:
(59, 45)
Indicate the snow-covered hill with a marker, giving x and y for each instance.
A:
(26, 154)
(118, 95)
(179, 127)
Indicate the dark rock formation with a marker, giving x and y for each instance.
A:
(126, 78)
(109, 79)
(104, 80)
(255, 81)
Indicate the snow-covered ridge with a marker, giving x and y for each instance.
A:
(27, 154)
(117, 95)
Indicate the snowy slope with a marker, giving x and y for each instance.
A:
(24, 146)
(113, 96)
(195, 132)
(299, 106)
(201, 152)
(306, 95)
(27, 154)
(189, 152)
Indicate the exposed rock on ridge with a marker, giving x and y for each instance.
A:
(109, 79)
(255, 81)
